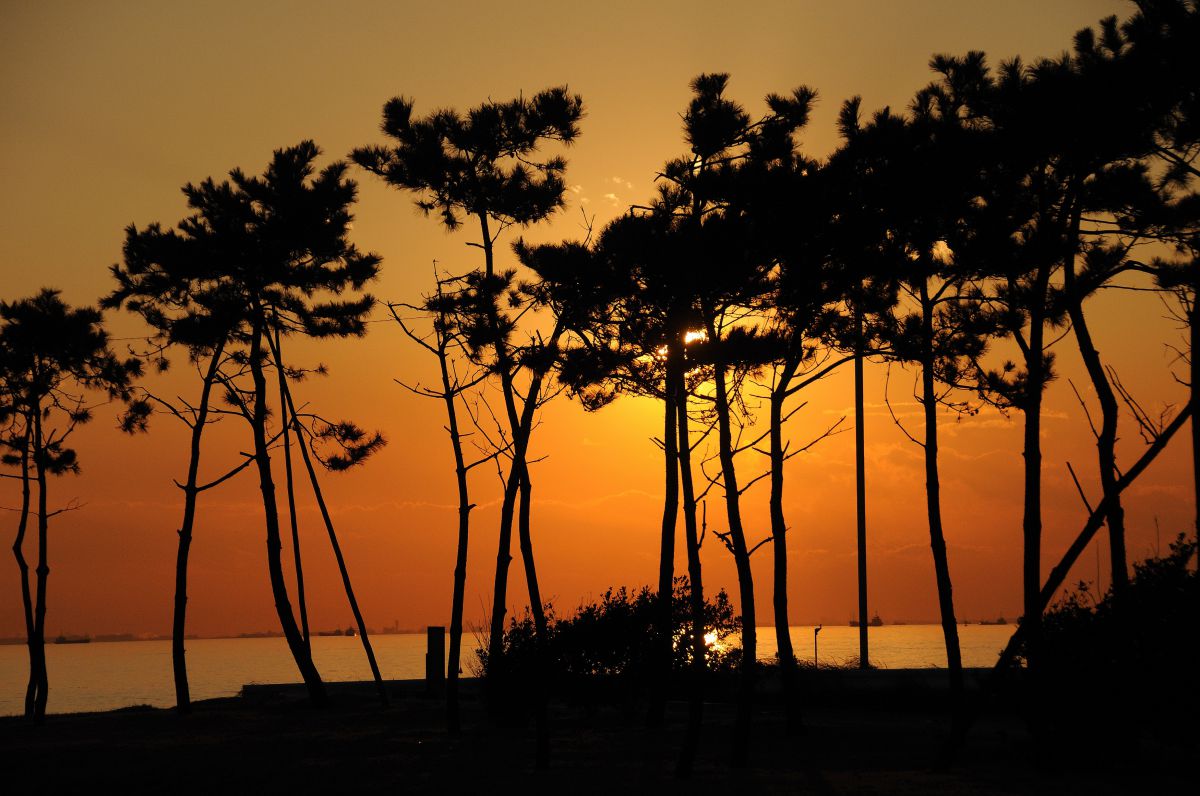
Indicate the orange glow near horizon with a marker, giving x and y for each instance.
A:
(164, 106)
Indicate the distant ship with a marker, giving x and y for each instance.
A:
(999, 621)
(339, 632)
(875, 622)
(64, 639)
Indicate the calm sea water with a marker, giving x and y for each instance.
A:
(108, 675)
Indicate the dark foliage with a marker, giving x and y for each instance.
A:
(1123, 664)
(613, 641)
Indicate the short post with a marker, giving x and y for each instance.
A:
(816, 630)
(435, 657)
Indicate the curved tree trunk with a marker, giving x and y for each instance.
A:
(517, 482)
(937, 538)
(285, 423)
(503, 559)
(262, 459)
(536, 606)
(512, 484)
(521, 429)
(191, 494)
(1106, 439)
(18, 549)
(290, 406)
(741, 556)
(542, 753)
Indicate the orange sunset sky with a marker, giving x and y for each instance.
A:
(108, 108)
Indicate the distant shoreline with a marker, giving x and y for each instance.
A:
(121, 637)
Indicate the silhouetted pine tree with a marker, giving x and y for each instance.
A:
(1056, 140)
(1032, 194)
(167, 279)
(280, 242)
(1160, 45)
(443, 341)
(803, 211)
(859, 245)
(925, 173)
(52, 356)
(706, 193)
(485, 165)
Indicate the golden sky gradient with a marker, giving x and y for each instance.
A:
(110, 107)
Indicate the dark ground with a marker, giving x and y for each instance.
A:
(868, 733)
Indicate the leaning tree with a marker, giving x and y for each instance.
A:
(277, 249)
(167, 279)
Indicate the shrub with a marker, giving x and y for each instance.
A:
(614, 639)
(1116, 665)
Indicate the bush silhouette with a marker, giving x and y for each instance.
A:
(609, 645)
(1121, 663)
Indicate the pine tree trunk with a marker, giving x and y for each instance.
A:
(511, 486)
(1058, 575)
(933, 500)
(285, 423)
(741, 556)
(18, 549)
(290, 407)
(783, 635)
(541, 680)
(453, 717)
(1106, 440)
(38, 676)
(526, 541)
(190, 496)
(1194, 402)
(860, 493)
(262, 459)
(664, 632)
(522, 429)
(691, 740)
(500, 589)
(1031, 522)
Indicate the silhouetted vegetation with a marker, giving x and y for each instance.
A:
(53, 359)
(1121, 661)
(484, 165)
(607, 649)
(959, 237)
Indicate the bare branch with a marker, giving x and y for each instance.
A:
(887, 401)
(1079, 487)
(1086, 413)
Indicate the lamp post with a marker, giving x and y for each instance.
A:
(816, 630)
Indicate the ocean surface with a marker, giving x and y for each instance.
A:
(109, 675)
